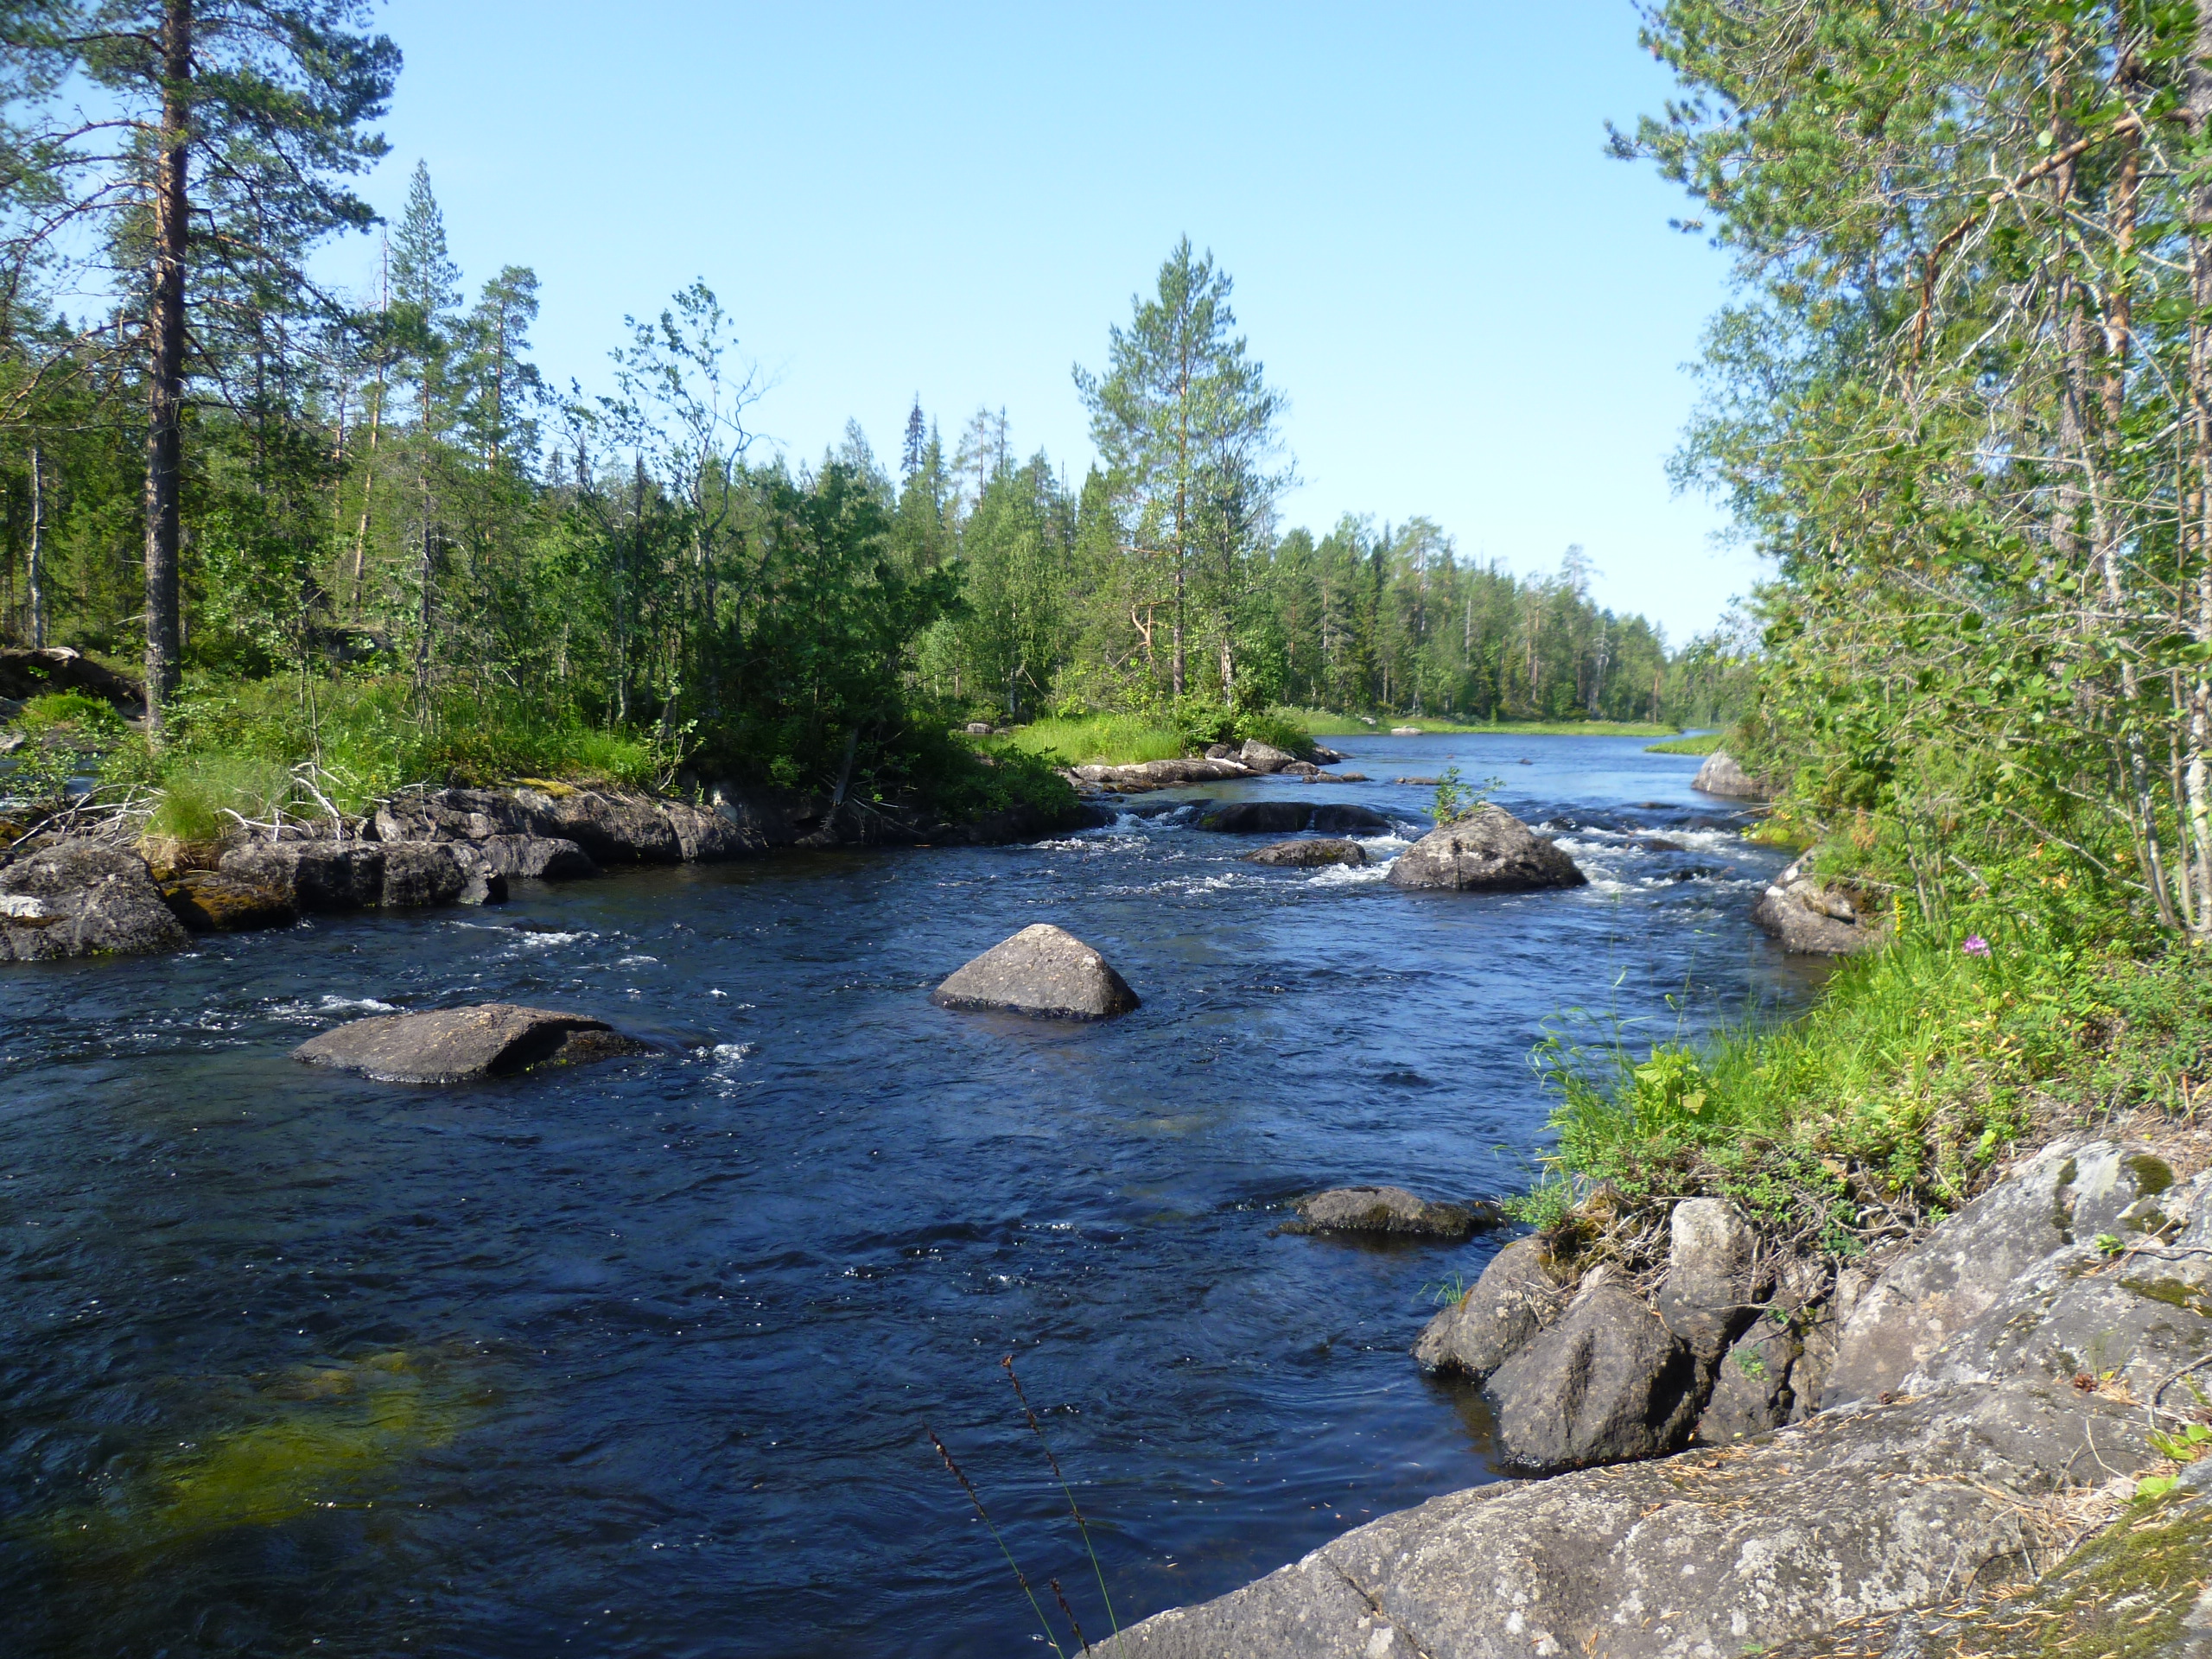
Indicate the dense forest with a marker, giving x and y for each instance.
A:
(213, 462)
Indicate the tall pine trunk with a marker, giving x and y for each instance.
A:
(165, 370)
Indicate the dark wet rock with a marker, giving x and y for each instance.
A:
(1753, 1386)
(1388, 1210)
(1813, 919)
(1160, 774)
(1265, 757)
(82, 898)
(316, 875)
(1708, 1554)
(1712, 1290)
(25, 674)
(1517, 1294)
(482, 881)
(1490, 850)
(1042, 970)
(1606, 1382)
(1337, 818)
(1959, 1273)
(614, 829)
(1658, 845)
(417, 873)
(1288, 818)
(1722, 775)
(1305, 771)
(1221, 752)
(536, 858)
(454, 1045)
(212, 903)
(1308, 855)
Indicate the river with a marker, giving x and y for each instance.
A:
(639, 1359)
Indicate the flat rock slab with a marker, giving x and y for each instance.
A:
(1708, 1554)
(1387, 1210)
(1488, 850)
(1310, 855)
(1044, 972)
(454, 1045)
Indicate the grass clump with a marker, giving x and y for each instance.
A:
(1701, 743)
(71, 711)
(1098, 740)
(1888, 1103)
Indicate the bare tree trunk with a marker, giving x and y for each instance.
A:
(165, 367)
(2196, 517)
(34, 570)
(369, 472)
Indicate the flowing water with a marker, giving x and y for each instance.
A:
(640, 1359)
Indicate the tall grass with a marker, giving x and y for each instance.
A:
(1098, 740)
(1897, 1091)
(1703, 743)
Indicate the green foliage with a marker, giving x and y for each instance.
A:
(1279, 728)
(1454, 800)
(1909, 1077)
(70, 709)
(1105, 740)
(1705, 743)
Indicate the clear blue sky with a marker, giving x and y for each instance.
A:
(1475, 314)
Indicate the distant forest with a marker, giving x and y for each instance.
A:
(236, 474)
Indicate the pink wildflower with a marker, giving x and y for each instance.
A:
(1975, 946)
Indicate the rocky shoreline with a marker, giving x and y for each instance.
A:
(1758, 1453)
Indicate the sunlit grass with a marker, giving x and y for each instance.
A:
(1703, 743)
(1098, 740)
(1323, 723)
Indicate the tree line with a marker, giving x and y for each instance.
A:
(210, 461)
(1965, 400)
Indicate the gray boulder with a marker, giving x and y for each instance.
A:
(1309, 855)
(1517, 1294)
(81, 897)
(482, 881)
(1754, 1387)
(615, 828)
(454, 1045)
(1712, 1553)
(1387, 1210)
(1490, 850)
(1713, 1289)
(536, 858)
(1607, 1382)
(1337, 818)
(1811, 918)
(1042, 970)
(1722, 775)
(1161, 774)
(1954, 1276)
(316, 875)
(1265, 757)
(416, 874)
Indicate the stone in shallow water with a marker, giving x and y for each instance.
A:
(81, 897)
(454, 1044)
(1490, 850)
(1041, 970)
(1306, 855)
(1387, 1210)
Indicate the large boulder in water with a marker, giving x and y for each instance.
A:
(1041, 970)
(1516, 1296)
(1811, 918)
(1488, 850)
(81, 897)
(1264, 757)
(1310, 855)
(454, 1044)
(1722, 775)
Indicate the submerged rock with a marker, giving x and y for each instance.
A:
(1307, 854)
(454, 1045)
(1387, 1210)
(1606, 1384)
(1722, 775)
(1490, 850)
(1517, 1294)
(81, 897)
(1042, 970)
